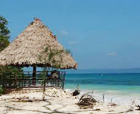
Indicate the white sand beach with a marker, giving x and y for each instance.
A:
(59, 101)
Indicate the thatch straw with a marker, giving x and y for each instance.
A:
(29, 47)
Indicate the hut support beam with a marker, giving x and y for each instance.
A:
(34, 75)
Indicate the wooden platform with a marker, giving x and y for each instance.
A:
(25, 80)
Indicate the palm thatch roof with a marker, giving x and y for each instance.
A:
(28, 49)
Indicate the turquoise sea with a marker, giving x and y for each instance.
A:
(111, 83)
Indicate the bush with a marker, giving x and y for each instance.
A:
(1, 90)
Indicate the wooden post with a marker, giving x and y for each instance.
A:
(29, 78)
(10, 79)
(44, 84)
(34, 76)
(15, 79)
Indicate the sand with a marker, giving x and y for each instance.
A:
(62, 102)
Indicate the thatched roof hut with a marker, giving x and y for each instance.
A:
(30, 45)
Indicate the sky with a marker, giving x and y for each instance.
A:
(99, 33)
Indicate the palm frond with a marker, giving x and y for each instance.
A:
(46, 49)
(68, 51)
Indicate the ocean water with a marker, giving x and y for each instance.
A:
(108, 83)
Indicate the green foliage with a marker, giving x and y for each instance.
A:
(4, 42)
(46, 49)
(1, 90)
(68, 52)
(10, 69)
(54, 53)
(51, 54)
(4, 33)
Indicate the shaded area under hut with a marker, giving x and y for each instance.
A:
(36, 46)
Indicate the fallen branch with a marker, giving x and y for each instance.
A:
(86, 101)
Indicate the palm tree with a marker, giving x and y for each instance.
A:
(50, 58)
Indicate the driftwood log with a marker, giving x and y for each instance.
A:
(86, 101)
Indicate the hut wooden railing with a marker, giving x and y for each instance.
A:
(25, 79)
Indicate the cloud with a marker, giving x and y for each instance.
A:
(72, 43)
(112, 54)
(63, 33)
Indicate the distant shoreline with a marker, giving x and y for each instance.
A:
(101, 73)
(131, 70)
